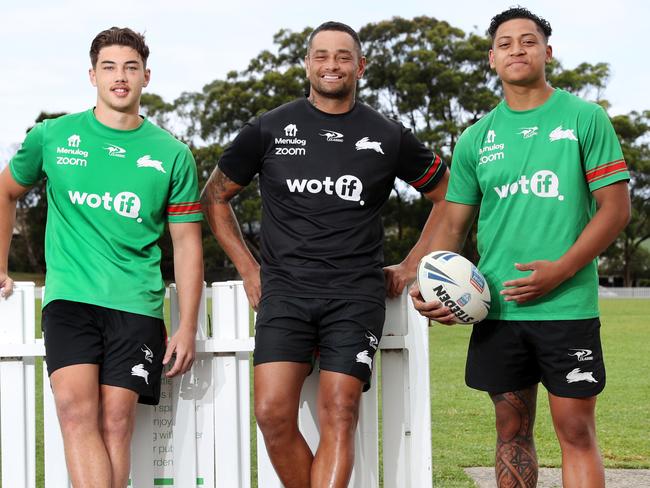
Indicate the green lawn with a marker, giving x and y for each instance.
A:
(462, 419)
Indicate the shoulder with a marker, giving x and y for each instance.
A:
(373, 116)
(65, 122)
(479, 130)
(569, 101)
(290, 109)
(158, 136)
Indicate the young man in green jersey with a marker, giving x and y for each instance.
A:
(547, 173)
(113, 180)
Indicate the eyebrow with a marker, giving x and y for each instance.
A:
(108, 61)
(342, 51)
(522, 35)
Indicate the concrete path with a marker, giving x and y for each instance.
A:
(552, 478)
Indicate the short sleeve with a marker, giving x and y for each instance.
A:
(242, 159)
(602, 154)
(463, 183)
(418, 166)
(27, 165)
(183, 204)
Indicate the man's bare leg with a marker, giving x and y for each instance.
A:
(117, 422)
(338, 412)
(76, 395)
(516, 458)
(277, 398)
(574, 420)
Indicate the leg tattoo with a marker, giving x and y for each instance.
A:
(516, 459)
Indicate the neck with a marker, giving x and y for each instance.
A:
(117, 120)
(332, 105)
(526, 97)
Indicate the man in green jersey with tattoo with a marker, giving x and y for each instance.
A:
(113, 180)
(545, 173)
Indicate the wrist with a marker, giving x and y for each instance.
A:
(566, 268)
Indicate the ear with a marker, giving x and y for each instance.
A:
(491, 58)
(92, 76)
(549, 53)
(147, 76)
(361, 68)
(307, 65)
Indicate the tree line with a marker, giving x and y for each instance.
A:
(433, 77)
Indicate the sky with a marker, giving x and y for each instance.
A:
(44, 44)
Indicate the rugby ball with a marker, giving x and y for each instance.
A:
(453, 280)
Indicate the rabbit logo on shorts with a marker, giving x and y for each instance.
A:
(138, 370)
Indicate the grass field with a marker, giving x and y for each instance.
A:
(462, 419)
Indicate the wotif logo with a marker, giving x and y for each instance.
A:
(543, 184)
(347, 187)
(126, 203)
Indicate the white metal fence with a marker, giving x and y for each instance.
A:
(199, 435)
(607, 292)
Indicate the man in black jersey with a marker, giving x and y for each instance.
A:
(326, 166)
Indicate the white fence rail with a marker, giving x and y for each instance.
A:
(199, 435)
(612, 292)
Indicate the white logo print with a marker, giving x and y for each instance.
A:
(528, 132)
(491, 135)
(138, 370)
(559, 133)
(543, 184)
(115, 151)
(363, 357)
(373, 342)
(347, 187)
(148, 353)
(575, 375)
(291, 130)
(331, 135)
(126, 204)
(147, 162)
(366, 143)
(74, 140)
(582, 354)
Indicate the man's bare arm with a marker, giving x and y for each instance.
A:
(215, 201)
(10, 192)
(611, 218)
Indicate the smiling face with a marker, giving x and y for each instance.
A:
(119, 76)
(333, 65)
(519, 53)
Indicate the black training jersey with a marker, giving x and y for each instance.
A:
(323, 179)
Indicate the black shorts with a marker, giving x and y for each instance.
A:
(128, 347)
(344, 333)
(565, 355)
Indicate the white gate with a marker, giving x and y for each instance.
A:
(200, 433)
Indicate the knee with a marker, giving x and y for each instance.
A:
(274, 416)
(75, 412)
(340, 414)
(576, 433)
(513, 426)
(117, 422)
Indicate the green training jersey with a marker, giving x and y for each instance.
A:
(533, 173)
(109, 194)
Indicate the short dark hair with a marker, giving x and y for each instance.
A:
(335, 26)
(519, 13)
(120, 36)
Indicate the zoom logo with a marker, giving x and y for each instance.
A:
(347, 187)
